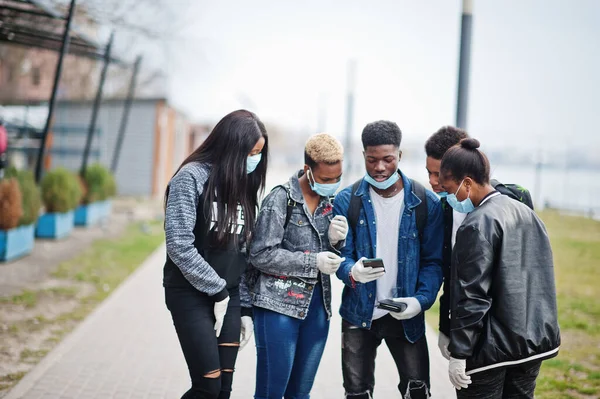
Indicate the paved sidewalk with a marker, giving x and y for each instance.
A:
(128, 348)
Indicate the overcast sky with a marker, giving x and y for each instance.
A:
(535, 68)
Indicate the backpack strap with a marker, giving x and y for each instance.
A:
(354, 207)
(421, 209)
(514, 191)
(291, 204)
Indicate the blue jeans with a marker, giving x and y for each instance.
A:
(289, 350)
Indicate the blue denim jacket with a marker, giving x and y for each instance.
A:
(283, 271)
(419, 263)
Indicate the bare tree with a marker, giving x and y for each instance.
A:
(140, 26)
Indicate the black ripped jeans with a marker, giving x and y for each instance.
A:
(194, 320)
(359, 348)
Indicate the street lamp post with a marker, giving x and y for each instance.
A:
(462, 101)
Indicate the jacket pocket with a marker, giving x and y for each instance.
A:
(362, 238)
(298, 234)
(287, 290)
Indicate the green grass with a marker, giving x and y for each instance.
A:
(65, 292)
(12, 377)
(108, 262)
(27, 298)
(575, 372)
(33, 356)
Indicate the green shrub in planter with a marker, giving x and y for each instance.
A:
(30, 193)
(100, 184)
(61, 191)
(11, 208)
(15, 240)
(111, 186)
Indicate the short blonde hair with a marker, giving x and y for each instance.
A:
(324, 148)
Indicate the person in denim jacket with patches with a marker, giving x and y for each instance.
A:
(386, 228)
(293, 251)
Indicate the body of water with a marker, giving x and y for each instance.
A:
(575, 190)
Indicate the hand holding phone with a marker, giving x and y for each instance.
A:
(364, 274)
(413, 308)
(373, 263)
(392, 306)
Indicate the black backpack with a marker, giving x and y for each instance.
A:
(514, 191)
(420, 210)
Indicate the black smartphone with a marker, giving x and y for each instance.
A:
(375, 262)
(389, 304)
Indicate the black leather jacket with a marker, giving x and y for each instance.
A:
(503, 292)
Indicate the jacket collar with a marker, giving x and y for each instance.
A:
(410, 198)
(295, 190)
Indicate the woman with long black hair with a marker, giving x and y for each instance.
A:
(210, 208)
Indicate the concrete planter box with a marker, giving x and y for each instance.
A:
(106, 208)
(90, 214)
(55, 225)
(17, 242)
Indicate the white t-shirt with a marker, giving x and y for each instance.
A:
(387, 215)
(457, 219)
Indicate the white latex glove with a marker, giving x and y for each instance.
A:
(220, 310)
(338, 229)
(457, 373)
(443, 342)
(413, 308)
(328, 262)
(364, 274)
(247, 331)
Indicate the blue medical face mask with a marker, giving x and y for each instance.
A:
(383, 185)
(443, 194)
(324, 190)
(252, 162)
(465, 206)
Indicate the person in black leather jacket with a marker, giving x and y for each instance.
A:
(503, 298)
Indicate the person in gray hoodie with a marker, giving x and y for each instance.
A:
(210, 208)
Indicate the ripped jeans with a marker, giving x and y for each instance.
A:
(359, 348)
(210, 360)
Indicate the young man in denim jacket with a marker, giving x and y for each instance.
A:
(387, 228)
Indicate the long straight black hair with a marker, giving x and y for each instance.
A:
(226, 150)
